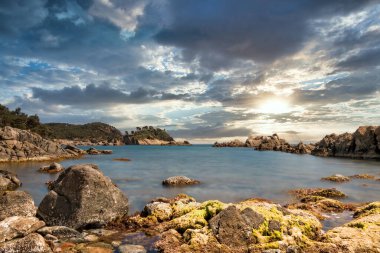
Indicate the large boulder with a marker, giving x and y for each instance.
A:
(82, 197)
(32, 243)
(16, 203)
(8, 181)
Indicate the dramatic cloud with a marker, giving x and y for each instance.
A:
(203, 69)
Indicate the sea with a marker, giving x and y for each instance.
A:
(226, 174)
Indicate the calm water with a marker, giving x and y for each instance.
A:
(227, 174)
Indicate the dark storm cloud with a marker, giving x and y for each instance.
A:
(18, 15)
(344, 89)
(363, 59)
(100, 95)
(258, 30)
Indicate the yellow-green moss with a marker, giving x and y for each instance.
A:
(212, 207)
(360, 225)
(265, 246)
(195, 219)
(372, 208)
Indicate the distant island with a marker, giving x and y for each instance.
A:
(149, 135)
(90, 134)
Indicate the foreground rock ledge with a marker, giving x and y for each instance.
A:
(82, 197)
(185, 225)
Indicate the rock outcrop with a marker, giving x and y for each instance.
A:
(23, 145)
(268, 143)
(275, 143)
(232, 144)
(364, 143)
(8, 181)
(179, 180)
(82, 197)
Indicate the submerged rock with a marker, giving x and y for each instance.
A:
(52, 168)
(8, 181)
(82, 197)
(179, 180)
(16, 203)
(321, 192)
(362, 176)
(336, 178)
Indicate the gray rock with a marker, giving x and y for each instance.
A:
(18, 226)
(16, 203)
(233, 228)
(24, 145)
(8, 181)
(59, 232)
(82, 197)
(179, 180)
(32, 243)
(130, 248)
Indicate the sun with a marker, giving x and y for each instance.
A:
(274, 106)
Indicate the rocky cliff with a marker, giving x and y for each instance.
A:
(364, 143)
(23, 145)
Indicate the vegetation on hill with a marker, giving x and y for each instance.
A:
(18, 119)
(149, 132)
(91, 131)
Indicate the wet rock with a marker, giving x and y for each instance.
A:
(16, 203)
(122, 159)
(32, 243)
(162, 211)
(18, 226)
(362, 176)
(359, 235)
(59, 231)
(94, 151)
(179, 180)
(52, 168)
(336, 178)
(322, 192)
(8, 181)
(130, 248)
(82, 197)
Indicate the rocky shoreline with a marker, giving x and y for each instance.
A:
(364, 143)
(85, 212)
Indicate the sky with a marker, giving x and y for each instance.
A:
(204, 70)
